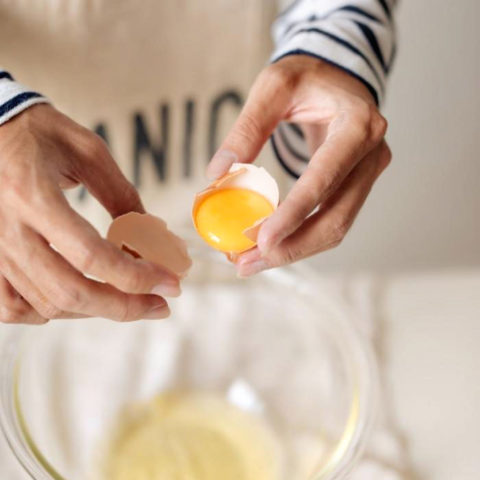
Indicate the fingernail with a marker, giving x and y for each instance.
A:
(167, 289)
(159, 311)
(221, 163)
(249, 269)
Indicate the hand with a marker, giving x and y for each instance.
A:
(345, 134)
(46, 247)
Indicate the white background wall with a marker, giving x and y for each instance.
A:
(425, 211)
(424, 214)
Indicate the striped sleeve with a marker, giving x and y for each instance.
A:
(357, 36)
(14, 97)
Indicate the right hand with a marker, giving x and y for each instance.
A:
(46, 248)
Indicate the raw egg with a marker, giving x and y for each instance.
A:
(146, 236)
(228, 214)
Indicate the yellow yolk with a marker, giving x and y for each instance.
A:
(223, 216)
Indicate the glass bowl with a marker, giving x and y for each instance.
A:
(276, 357)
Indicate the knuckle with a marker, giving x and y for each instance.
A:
(279, 77)
(360, 130)
(94, 146)
(378, 124)
(10, 319)
(27, 196)
(7, 315)
(68, 299)
(47, 310)
(88, 257)
(290, 254)
(14, 193)
(249, 127)
(133, 282)
(44, 307)
(334, 244)
(368, 123)
(39, 320)
(10, 313)
(360, 113)
(386, 152)
(125, 313)
(338, 230)
(385, 157)
(333, 241)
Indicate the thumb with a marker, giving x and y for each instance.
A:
(265, 107)
(105, 181)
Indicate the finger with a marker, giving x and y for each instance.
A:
(68, 290)
(14, 309)
(105, 181)
(351, 136)
(81, 245)
(266, 105)
(326, 228)
(31, 294)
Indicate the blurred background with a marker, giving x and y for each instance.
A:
(421, 232)
(424, 213)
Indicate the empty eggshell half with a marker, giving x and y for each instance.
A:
(146, 236)
(244, 176)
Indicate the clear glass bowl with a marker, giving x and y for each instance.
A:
(276, 346)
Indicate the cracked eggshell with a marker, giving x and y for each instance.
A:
(251, 177)
(247, 176)
(146, 236)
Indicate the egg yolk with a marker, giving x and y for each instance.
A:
(222, 217)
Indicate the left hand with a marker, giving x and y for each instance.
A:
(345, 133)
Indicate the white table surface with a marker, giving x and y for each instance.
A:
(430, 346)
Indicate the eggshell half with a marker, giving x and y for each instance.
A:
(251, 177)
(146, 236)
(215, 185)
(247, 176)
(243, 175)
(252, 232)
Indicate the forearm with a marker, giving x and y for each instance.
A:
(15, 97)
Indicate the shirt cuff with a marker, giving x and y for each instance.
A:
(15, 97)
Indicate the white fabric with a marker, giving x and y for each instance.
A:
(385, 456)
